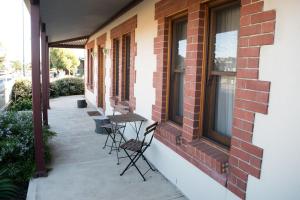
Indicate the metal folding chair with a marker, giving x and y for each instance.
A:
(112, 130)
(122, 108)
(138, 148)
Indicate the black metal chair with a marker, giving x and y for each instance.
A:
(138, 148)
(112, 130)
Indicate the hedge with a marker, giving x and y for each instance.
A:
(21, 90)
(66, 87)
(21, 95)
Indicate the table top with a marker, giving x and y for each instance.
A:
(111, 126)
(129, 117)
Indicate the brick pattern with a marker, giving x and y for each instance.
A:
(232, 168)
(193, 63)
(90, 69)
(185, 140)
(90, 45)
(257, 28)
(203, 154)
(101, 40)
(127, 27)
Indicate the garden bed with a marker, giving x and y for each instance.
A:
(17, 144)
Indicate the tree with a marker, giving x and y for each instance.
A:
(63, 59)
(16, 65)
(2, 58)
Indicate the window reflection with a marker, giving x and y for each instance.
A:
(182, 48)
(226, 39)
(178, 55)
(226, 51)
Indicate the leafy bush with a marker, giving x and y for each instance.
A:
(66, 87)
(21, 90)
(21, 105)
(17, 145)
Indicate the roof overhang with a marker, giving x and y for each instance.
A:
(70, 22)
(78, 43)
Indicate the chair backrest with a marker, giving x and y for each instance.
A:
(121, 107)
(149, 130)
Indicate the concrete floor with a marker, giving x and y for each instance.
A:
(82, 170)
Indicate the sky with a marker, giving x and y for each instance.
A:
(12, 15)
(11, 34)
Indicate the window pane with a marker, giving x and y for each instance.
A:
(224, 105)
(179, 43)
(90, 68)
(227, 25)
(127, 78)
(116, 52)
(224, 27)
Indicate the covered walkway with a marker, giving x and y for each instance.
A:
(82, 170)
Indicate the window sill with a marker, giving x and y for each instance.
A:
(90, 88)
(212, 155)
(209, 157)
(171, 132)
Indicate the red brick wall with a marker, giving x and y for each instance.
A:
(230, 168)
(127, 27)
(90, 68)
(252, 95)
(193, 63)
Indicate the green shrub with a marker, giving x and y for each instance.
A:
(66, 87)
(21, 105)
(21, 96)
(7, 189)
(21, 90)
(54, 89)
(17, 145)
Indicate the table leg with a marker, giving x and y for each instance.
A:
(105, 144)
(113, 143)
(138, 131)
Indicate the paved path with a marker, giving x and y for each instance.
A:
(82, 170)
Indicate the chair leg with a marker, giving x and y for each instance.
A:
(112, 143)
(105, 144)
(146, 160)
(138, 168)
(120, 141)
(118, 157)
(132, 163)
(129, 164)
(122, 136)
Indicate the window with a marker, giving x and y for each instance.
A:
(177, 51)
(90, 75)
(116, 48)
(123, 37)
(221, 73)
(126, 68)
